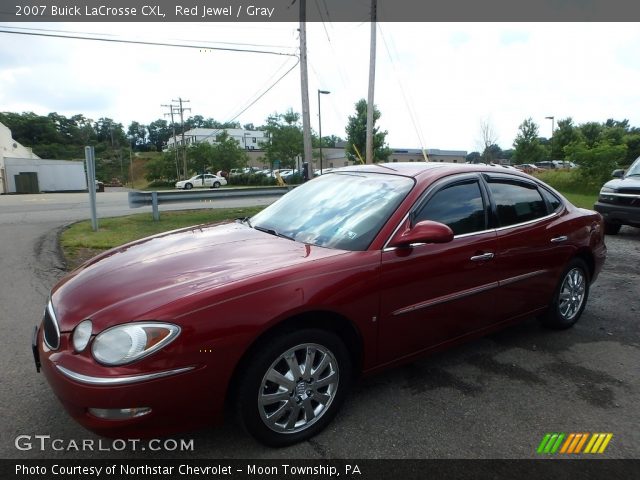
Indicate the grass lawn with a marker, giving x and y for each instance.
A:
(581, 199)
(79, 242)
(578, 190)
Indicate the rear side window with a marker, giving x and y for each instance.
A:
(459, 206)
(553, 201)
(517, 202)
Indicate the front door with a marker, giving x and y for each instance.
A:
(434, 293)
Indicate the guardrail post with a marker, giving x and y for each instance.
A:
(154, 206)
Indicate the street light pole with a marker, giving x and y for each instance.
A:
(553, 124)
(323, 92)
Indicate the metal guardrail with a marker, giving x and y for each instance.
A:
(142, 199)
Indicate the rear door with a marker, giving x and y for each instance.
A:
(532, 241)
(434, 293)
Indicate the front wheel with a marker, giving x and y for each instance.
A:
(188, 186)
(216, 184)
(294, 386)
(570, 297)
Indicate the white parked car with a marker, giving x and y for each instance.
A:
(207, 180)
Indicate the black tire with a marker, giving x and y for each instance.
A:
(612, 228)
(570, 296)
(216, 184)
(304, 405)
(188, 186)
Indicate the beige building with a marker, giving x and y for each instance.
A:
(433, 155)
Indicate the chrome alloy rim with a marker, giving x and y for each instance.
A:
(298, 388)
(572, 293)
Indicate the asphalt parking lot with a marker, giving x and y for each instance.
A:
(493, 398)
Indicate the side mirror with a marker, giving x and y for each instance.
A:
(422, 232)
(619, 173)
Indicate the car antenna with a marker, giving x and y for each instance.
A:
(384, 166)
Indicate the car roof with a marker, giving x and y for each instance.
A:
(415, 169)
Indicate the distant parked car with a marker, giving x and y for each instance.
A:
(619, 200)
(547, 165)
(528, 168)
(207, 180)
(564, 164)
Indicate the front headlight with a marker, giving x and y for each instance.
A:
(130, 342)
(607, 190)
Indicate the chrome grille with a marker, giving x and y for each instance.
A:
(50, 328)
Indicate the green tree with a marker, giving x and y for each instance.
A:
(137, 134)
(159, 133)
(357, 134)
(161, 168)
(527, 145)
(227, 154)
(200, 157)
(474, 157)
(632, 141)
(565, 134)
(591, 133)
(597, 162)
(286, 143)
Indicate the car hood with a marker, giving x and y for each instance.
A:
(622, 184)
(130, 282)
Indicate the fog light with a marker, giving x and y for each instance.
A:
(119, 413)
(81, 335)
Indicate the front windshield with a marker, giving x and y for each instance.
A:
(634, 169)
(342, 210)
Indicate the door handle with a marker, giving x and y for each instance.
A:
(560, 239)
(480, 258)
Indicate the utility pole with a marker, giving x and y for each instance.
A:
(171, 108)
(304, 84)
(184, 145)
(372, 79)
(323, 92)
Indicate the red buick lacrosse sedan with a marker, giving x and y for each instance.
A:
(274, 316)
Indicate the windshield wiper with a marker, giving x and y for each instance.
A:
(244, 220)
(273, 232)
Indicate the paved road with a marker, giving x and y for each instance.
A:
(492, 398)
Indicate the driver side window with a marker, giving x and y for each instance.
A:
(460, 206)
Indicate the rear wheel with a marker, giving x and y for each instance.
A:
(294, 386)
(612, 228)
(570, 297)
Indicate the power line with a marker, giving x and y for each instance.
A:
(410, 110)
(216, 131)
(267, 82)
(114, 35)
(141, 42)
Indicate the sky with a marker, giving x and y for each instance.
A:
(436, 83)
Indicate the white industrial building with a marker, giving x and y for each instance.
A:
(247, 139)
(22, 171)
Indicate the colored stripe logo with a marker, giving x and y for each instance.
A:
(574, 443)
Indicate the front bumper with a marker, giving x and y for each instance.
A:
(623, 214)
(179, 398)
